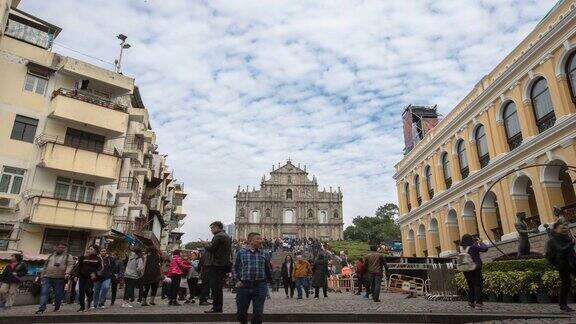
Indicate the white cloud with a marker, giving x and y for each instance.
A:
(236, 86)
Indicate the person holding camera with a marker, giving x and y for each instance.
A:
(55, 272)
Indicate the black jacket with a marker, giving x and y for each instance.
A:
(8, 276)
(560, 252)
(284, 271)
(219, 251)
(152, 270)
(320, 273)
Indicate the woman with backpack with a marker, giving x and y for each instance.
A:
(470, 264)
(10, 279)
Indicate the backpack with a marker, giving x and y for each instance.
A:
(464, 261)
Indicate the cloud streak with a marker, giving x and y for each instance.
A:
(236, 86)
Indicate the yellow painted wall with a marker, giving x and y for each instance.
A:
(60, 157)
(70, 214)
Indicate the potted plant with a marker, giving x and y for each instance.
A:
(509, 283)
(551, 284)
(461, 285)
(491, 288)
(528, 287)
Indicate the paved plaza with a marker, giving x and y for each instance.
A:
(341, 303)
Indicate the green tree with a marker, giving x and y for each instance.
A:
(375, 229)
(193, 245)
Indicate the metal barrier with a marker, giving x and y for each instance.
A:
(338, 283)
(406, 284)
(441, 282)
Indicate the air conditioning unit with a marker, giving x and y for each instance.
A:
(7, 203)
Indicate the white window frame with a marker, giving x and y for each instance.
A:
(78, 190)
(35, 82)
(13, 175)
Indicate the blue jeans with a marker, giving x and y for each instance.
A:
(47, 285)
(101, 291)
(302, 283)
(255, 295)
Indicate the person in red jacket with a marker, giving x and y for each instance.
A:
(360, 274)
(177, 269)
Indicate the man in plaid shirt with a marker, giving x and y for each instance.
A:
(252, 270)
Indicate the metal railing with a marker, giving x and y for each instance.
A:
(128, 183)
(43, 139)
(89, 98)
(546, 122)
(29, 194)
(133, 142)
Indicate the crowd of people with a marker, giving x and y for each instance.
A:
(201, 274)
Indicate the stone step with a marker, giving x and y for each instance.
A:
(296, 317)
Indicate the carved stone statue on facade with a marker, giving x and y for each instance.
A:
(523, 231)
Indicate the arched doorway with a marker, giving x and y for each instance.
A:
(524, 200)
(422, 249)
(452, 229)
(410, 249)
(469, 217)
(559, 185)
(491, 214)
(434, 237)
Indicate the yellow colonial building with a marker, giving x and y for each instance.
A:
(78, 159)
(522, 113)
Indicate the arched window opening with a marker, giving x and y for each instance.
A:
(571, 74)
(323, 217)
(542, 105)
(255, 217)
(417, 188)
(512, 126)
(289, 194)
(288, 216)
(462, 159)
(428, 174)
(482, 146)
(268, 213)
(336, 215)
(407, 193)
(446, 170)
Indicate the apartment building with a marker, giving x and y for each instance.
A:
(522, 113)
(78, 160)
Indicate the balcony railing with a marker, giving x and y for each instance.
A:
(465, 172)
(128, 183)
(123, 225)
(546, 122)
(448, 182)
(133, 142)
(84, 200)
(484, 160)
(419, 200)
(515, 141)
(569, 212)
(431, 193)
(89, 98)
(46, 138)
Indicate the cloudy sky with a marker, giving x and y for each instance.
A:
(237, 86)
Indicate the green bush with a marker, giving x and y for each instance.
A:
(535, 265)
(460, 282)
(551, 282)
